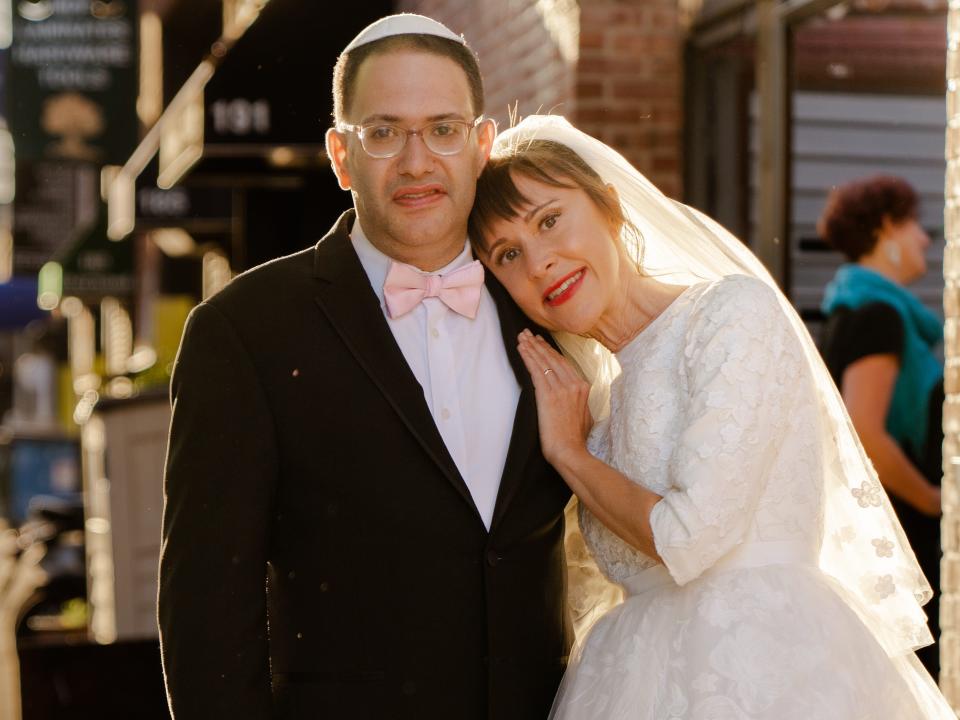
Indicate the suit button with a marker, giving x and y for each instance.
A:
(324, 586)
(409, 688)
(493, 559)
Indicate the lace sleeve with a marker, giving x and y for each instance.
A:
(741, 363)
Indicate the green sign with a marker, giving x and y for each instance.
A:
(95, 267)
(73, 80)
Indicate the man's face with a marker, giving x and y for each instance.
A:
(417, 198)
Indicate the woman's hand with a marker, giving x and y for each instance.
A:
(619, 503)
(562, 409)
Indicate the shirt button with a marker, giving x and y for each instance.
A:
(445, 414)
(434, 333)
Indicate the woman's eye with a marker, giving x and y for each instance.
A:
(549, 221)
(509, 255)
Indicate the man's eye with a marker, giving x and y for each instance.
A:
(443, 129)
(383, 132)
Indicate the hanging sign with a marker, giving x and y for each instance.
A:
(73, 80)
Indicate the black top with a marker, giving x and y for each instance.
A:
(874, 329)
(877, 329)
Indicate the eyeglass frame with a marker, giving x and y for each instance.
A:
(358, 130)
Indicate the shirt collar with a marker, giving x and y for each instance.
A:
(376, 263)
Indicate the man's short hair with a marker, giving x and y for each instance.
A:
(348, 66)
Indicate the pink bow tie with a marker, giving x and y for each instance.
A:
(405, 288)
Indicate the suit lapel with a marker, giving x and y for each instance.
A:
(345, 297)
(524, 437)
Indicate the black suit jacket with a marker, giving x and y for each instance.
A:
(322, 556)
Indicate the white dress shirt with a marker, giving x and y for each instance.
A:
(462, 366)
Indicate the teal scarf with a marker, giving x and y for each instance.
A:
(854, 286)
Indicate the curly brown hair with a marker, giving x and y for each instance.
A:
(856, 211)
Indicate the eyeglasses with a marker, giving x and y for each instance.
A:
(444, 137)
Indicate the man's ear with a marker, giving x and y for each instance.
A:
(337, 152)
(486, 132)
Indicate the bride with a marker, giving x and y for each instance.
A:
(721, 486)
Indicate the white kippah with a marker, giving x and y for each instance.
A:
(403, 24)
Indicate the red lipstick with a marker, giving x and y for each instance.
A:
(564, 288)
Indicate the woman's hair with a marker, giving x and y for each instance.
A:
(545, 161)
(855, 212)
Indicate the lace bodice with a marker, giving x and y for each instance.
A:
(714, 411)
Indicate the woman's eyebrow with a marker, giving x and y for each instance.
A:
(537, 209)
(496, 243)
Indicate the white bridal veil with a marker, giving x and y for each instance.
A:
(863, 548)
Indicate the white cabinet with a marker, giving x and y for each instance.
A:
(124, 447)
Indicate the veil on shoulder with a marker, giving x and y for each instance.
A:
(863, 545)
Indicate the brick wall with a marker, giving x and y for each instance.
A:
(612, 66)
(629, 83)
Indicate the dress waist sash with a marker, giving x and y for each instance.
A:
(748, 555)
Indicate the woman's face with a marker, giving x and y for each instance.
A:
(559, 259)
(913, 242)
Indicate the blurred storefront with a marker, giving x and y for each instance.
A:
(860, 92)
(161, 148)
(151, 151)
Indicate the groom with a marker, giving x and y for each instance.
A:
(359, 522)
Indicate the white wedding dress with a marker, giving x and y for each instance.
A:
(715, 410)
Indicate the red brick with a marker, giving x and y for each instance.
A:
(589, 89)
(627, 44)
(666, 164)
(644, 89)
(665, 20)
(605, 66)
(592, 39)
(610, 115)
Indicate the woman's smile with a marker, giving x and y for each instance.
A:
(565, 288)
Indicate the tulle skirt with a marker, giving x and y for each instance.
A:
(767, 643)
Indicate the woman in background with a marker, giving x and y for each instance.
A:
(879, 343)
